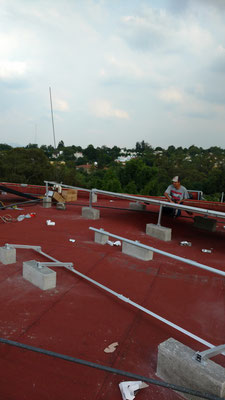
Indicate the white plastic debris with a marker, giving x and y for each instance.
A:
(185, 243)
(49, 222)
(206, 251)
(129, 389)
(111, 348)
(72, 240)
(22, 216)
(116, 243)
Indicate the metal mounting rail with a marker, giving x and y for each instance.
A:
(41, 264)
(54, 264)
(22, 246)
(145, 310)
(202, 356)
(162, 203)
(119, 296)
(64, 186)
(164, 253)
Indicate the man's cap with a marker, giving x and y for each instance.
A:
(176, 179)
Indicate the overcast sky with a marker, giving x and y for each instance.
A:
(120, 71)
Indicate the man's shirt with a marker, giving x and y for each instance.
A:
(177, 194)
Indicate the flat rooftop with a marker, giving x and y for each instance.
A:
(80, 320)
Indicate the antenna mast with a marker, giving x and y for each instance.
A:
(53, 128)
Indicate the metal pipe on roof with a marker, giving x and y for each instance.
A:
(160, 215)
(197, 210)
(126, 300)
(164, 253)
(123, 298)
(67, 186)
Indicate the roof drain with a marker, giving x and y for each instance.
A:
(164, 253)
(119, 296)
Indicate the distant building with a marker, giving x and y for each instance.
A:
(78, 155)
(123, 159)
(85, 167)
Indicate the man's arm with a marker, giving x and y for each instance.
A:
(166, 194)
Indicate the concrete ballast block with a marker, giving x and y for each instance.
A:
(137, 206)
(176, 365)
(90, 213)
(205, 223)
(47, 202)
(44, 278)
(159, 232)
(7, 256)
(101, 238)
(136, 251)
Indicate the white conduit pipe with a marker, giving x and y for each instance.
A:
(164, 253)
(126, 300)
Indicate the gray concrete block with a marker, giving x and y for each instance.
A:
(159, 232)
(44, 278)
(137, 206)
(175, 364)
(47, 202)
(90, 213)
(205, 223)
(7, 256)
(101, 238)
(138, 252)
(61, 206)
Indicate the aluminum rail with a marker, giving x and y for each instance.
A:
(65, 186)
(145, 310)
(164, 253)
(162, 203)
(123, 298)
(205, 355)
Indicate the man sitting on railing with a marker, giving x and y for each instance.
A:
(176, 193)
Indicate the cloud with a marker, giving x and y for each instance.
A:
(158, 30)
(60, 105)
(12, 69)
(171, 95)
(104, 109)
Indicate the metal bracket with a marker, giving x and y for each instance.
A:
(202, 356)
(41, 264)
(22, 246)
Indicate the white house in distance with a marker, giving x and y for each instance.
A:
(78, 155)
(125, 157)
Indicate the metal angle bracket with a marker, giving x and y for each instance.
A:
(203, 356)
(54, 264)
(22, 246)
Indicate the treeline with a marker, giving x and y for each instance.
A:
(142, 170)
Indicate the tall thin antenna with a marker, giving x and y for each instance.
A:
(53, 128)
(35, 133)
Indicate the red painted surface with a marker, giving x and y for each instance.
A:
(78, 319)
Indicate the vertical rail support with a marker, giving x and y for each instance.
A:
(90, 198)
(160, 215)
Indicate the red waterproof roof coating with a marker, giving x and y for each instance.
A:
(80, 320)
